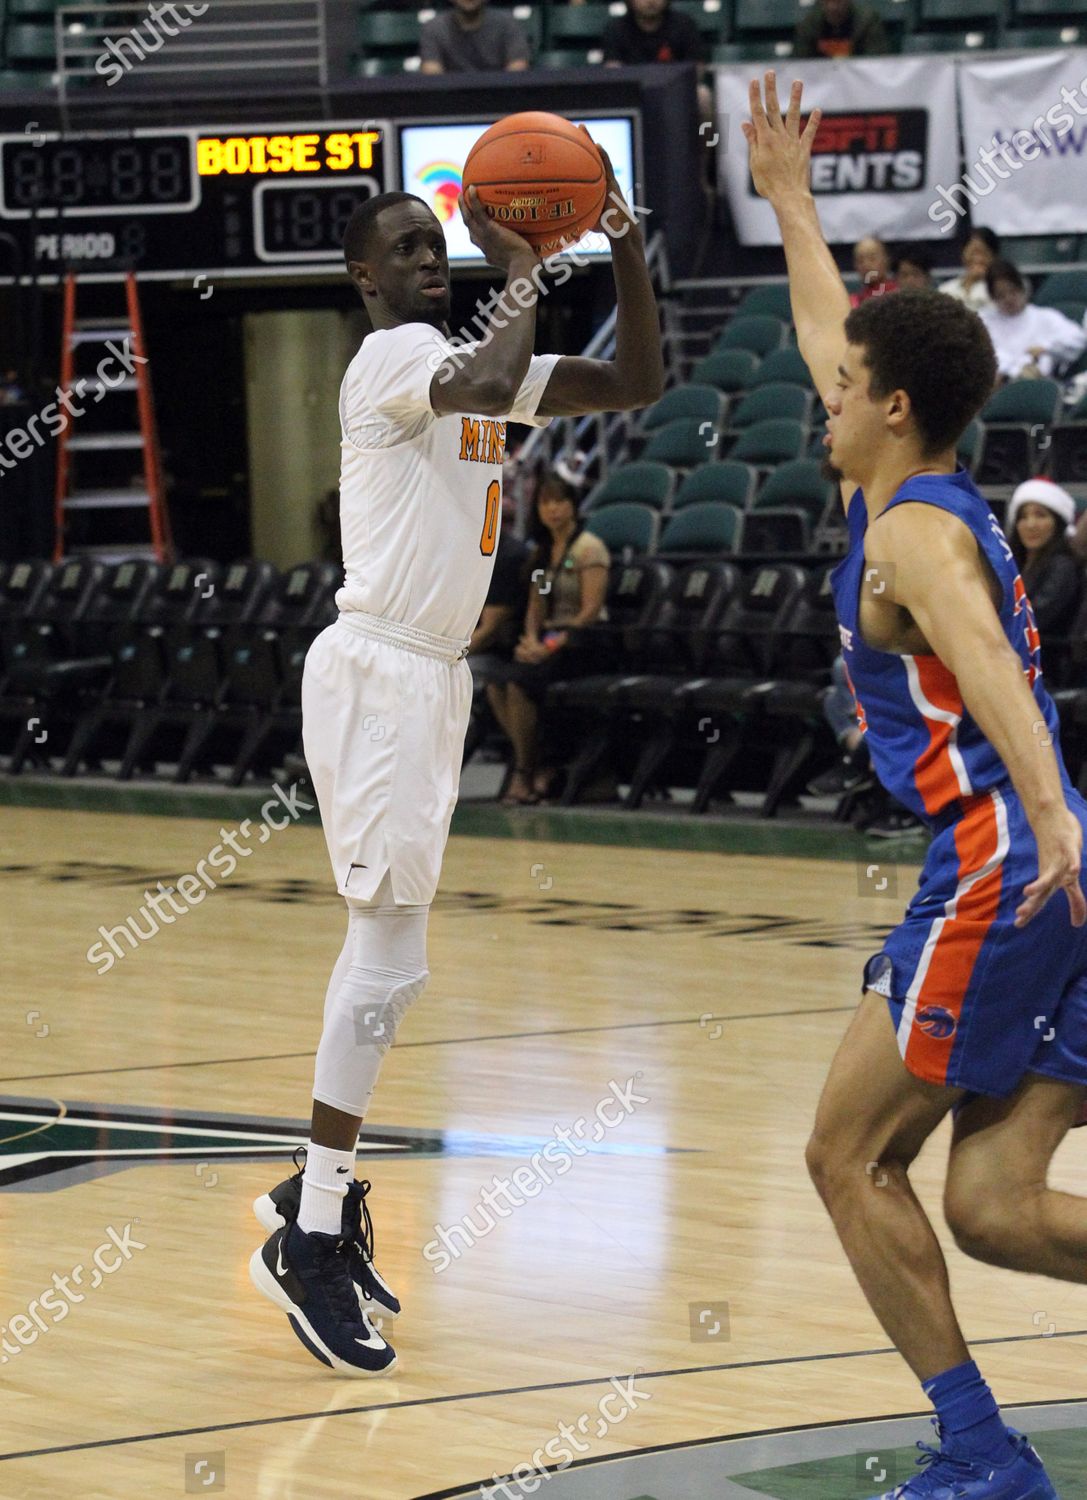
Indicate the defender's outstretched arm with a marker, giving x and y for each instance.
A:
(780, 156)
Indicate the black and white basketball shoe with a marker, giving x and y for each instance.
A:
(280, 1207)
(308, 1276)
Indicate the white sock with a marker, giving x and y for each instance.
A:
(324, 1187)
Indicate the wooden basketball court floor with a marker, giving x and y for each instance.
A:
(664, 1282)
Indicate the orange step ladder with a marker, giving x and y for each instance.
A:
(122, 339)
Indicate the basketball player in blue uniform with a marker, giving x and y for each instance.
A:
(978, 1002)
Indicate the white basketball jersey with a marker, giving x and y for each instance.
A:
(420, 494)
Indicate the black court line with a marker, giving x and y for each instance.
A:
(452, 1041)
(514, 1390)
(461, 1490)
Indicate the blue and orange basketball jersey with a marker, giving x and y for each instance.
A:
(976, 1002)
(925, 747)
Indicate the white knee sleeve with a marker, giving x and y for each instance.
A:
(380, 972)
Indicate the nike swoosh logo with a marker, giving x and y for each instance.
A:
(343, 1171)
(281, 1269)
(375, 1342)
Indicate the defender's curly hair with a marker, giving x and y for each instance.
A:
(936, 350)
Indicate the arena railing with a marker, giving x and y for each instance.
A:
(232, 36)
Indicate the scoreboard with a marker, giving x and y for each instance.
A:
(167, 202)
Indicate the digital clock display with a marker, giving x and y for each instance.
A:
(97, 175)
(306, 220)
(196, 198)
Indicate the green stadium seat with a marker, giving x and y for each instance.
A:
(1073, 310)
(566, 57)
(756, 49)
(775, 400)
(772, 298)
(1040, 249)
(762, 16)
(971, 446)
(703, 402)
(725, 483)
(30, 43)
(730, 370)
(760, 334)
(685, 444)
(711, 23)
(1015, 418)
(1025, 11)
(1024, 401)
(24, 80)
(798, 484)
(640, 483)
(389, 28)
(1062, 286)
(1019, 38)
(785, 365)
(897, 15)
(378, 67)
(708, 527)
(771, 442)
(40, 8)
(584, 23)
(625, 527)
(947, 41)
(957, 14)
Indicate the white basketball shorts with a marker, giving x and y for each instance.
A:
(384, 714)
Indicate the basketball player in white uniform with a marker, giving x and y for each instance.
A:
(386, 691)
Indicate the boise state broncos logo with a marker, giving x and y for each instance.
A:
(935, 1021)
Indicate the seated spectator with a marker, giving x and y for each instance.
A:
(913, 269)
(978, 254)
(873, 810)
(838, 28)
(491, 646)
(569, 582)
(840, 712)
(472, 39)
(1041, 518)
(1029, 341)
(872, 263)
(651, 31)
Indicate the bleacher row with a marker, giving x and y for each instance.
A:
(729, 461)
(565, 35)
(711, 674)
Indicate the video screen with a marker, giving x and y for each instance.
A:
(432, 158)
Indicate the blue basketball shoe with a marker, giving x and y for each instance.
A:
(308, 1277)
(280, 1207)
(945, 1476)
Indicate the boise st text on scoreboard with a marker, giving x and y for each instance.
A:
(170, 202)
(237, 200)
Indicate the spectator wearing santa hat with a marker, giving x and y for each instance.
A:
(1041, 519)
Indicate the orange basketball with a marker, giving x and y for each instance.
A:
(539, 175)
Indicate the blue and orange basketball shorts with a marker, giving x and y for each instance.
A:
(977, 1002)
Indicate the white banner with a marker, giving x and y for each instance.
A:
(888, 137)
(1024, 125)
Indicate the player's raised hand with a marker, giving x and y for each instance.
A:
(779, 151)
(500, 245)
(1060, 854)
